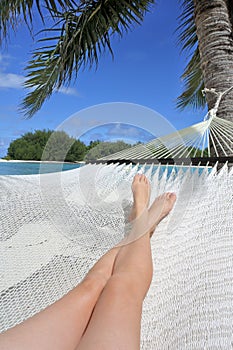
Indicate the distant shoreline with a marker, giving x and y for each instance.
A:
(83, 162)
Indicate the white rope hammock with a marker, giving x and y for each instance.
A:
(54, 227)
(187, 142)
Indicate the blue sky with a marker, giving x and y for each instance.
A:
(146, 71)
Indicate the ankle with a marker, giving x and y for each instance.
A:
(140, 210)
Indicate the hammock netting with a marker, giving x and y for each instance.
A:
(211, 137)
(54, 227)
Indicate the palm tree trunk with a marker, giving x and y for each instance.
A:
(214, 25)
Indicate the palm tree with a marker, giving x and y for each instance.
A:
(207, 29)
(80, 32)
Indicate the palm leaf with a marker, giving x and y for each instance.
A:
(192, 76)
(84, 34)
(230, 5)
(193, 85)
(12, 12)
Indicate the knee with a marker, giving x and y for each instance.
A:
(93, 283)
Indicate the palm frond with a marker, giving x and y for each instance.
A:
(14, 11)
(187, 36)
(230, 6)
(193, 84)
(42, 79)
(192, 76)
(84, 34)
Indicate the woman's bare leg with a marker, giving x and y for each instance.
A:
(61, 325)
(116, 320)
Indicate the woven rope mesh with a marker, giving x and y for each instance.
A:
(186, 142)
(54, 227)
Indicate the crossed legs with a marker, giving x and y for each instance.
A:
(116, 319)
(104, 310)
(61, 325)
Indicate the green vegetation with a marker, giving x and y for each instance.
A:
(59, 146)
(105, 148)
(195, 152)
(31, 146)
(167, 153)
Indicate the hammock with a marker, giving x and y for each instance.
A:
(54, 227)
(185, 143)
(210, 138)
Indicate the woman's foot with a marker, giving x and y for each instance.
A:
(159, 209)
(141, 196)
(146, 220)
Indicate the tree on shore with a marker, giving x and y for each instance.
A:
(47, 145)
(59, 146)
(103, 149)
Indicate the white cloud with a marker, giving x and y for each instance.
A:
(11, 81)
(15, 81)
(128, 132)
(124, 130)
(68, 91)
(4, 61)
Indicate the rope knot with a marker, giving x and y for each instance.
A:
(213, 111)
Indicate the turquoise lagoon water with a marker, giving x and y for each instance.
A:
(176, 168)
(26, 168)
